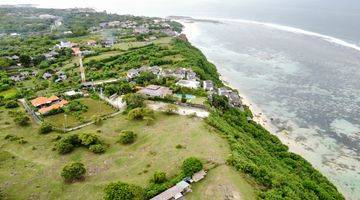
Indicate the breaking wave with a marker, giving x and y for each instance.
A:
(294, 30)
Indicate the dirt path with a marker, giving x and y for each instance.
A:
(182, 110)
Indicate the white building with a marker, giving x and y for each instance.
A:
(193, 84)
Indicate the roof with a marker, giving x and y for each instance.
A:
(53, 107)
(188, 83)
(172, 192)
(43, 100)
(156, 91)
(198, 175)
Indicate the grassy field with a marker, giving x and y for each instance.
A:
(222, 182)
(95, 107)
(34, 168)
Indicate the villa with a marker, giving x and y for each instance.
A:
(176, 192)
(208, 85)
(193, 84)
(155, 91)
(42, 101)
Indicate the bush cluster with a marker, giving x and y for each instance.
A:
(90, 141)
(73, 171)
(191, 165)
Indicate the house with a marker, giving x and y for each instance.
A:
(54, 106)
(65, 44)
(46, 75)
(72, 93)
(198, 176)
(61, 77)
(103, 25)
(15, 57)
(233, 97)
(76, 51)
(180, 73)
(208, 85)
(108, 42)
(176, 192)
(41, 101)
(193, 84)
(132, 73)
(91, 43)
(155, 70)
(156, 91)
(114, 24)
(190, 75)
(51, 55)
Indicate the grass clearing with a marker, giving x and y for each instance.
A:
(34, 168)
(222, 182)
(95, 107)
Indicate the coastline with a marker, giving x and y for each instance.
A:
(294, 146)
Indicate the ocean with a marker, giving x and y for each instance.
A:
(297, 61)
(306, 85)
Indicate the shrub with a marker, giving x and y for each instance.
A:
(123, 191)
(159, 177)
(191, 165)
(73, 171)
(11, 104)
(127, 137)
(97, 148)
(64, 146)
(87, 139)
(45, 128)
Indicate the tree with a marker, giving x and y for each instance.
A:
(11, 104)
(22, 119)
(159, 177)
(25, 60)
(220, 102)
(45, 128)
(145, 77)
(127, 137)
(191, 165)
(73, 171)
(123, 191)
(134, 100)
(141, 113)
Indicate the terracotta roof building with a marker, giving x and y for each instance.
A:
(40, 101)
(54, 106)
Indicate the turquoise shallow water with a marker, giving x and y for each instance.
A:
(308, 85)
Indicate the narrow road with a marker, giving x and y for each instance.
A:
(35, 117)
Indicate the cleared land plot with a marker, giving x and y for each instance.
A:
(222, 182)
(95, 107)
(34, 168)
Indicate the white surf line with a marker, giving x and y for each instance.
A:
(292, 30)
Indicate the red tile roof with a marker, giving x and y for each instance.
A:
(43, 100)
(53, 107)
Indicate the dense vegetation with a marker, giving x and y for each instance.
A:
(256, 152)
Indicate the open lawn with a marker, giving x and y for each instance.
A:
(95, 107)
(34, 168)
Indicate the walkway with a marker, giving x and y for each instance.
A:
(31, 112)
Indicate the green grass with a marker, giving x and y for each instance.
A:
(102, 56)
(198, 100)
(95, 107)
(222, 182)
(8, 94)
(35, 172)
